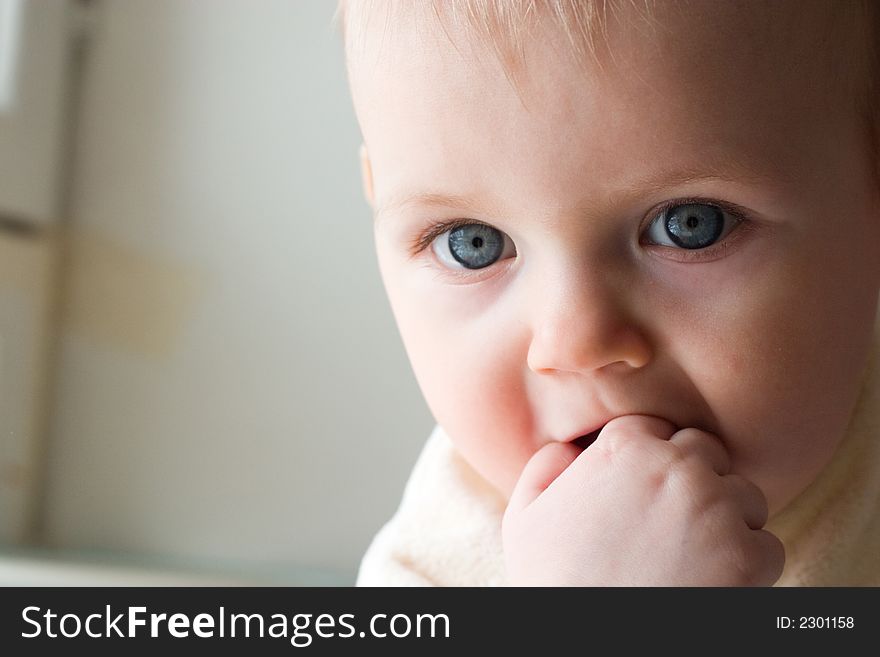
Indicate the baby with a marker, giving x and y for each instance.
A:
(633, 251)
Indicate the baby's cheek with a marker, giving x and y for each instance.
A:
(475, 391)
(490, 422)
(780, 382)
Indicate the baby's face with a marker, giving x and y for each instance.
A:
(690, 232)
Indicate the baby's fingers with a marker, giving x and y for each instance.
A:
(541, 470)
(749, 500)
(771, 557)
(703, 445)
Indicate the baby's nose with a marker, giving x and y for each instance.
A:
(580, 324)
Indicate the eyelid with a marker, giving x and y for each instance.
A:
(737, 212)
(740, 215)
(436, 229)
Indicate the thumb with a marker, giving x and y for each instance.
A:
(542, 469)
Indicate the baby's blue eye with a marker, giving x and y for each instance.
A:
(472, 246)
(690, 226)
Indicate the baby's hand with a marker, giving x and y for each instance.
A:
(644, 505)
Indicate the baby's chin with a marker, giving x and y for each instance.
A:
(782, 500)
(502, 480)
(804, 483)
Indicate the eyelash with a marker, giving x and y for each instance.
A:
(736, 213)
(436, 229)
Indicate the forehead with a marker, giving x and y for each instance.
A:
(752, 86)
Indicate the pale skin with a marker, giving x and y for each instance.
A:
(724, 376)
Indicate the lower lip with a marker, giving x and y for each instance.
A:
(585, 441)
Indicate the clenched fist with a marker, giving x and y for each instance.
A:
(644, 505)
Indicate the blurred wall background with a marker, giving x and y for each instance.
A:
(227, 386)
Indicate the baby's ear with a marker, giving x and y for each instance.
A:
(366, 175)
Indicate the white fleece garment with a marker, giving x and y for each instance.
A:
(447, 530)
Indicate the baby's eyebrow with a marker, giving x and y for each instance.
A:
(653, 184)
(428, 199)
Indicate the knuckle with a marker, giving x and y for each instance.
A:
(703, 442)
(613, 444)
(756, 560)
(695, 433)
(684, 478)
(627, 435)
(743, 564)
(641, 424)
(689, 432)
(774, 554)
(751, 492)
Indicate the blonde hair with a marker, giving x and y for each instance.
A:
(502, 24)
(852, 38)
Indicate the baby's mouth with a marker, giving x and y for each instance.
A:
(587, 439)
